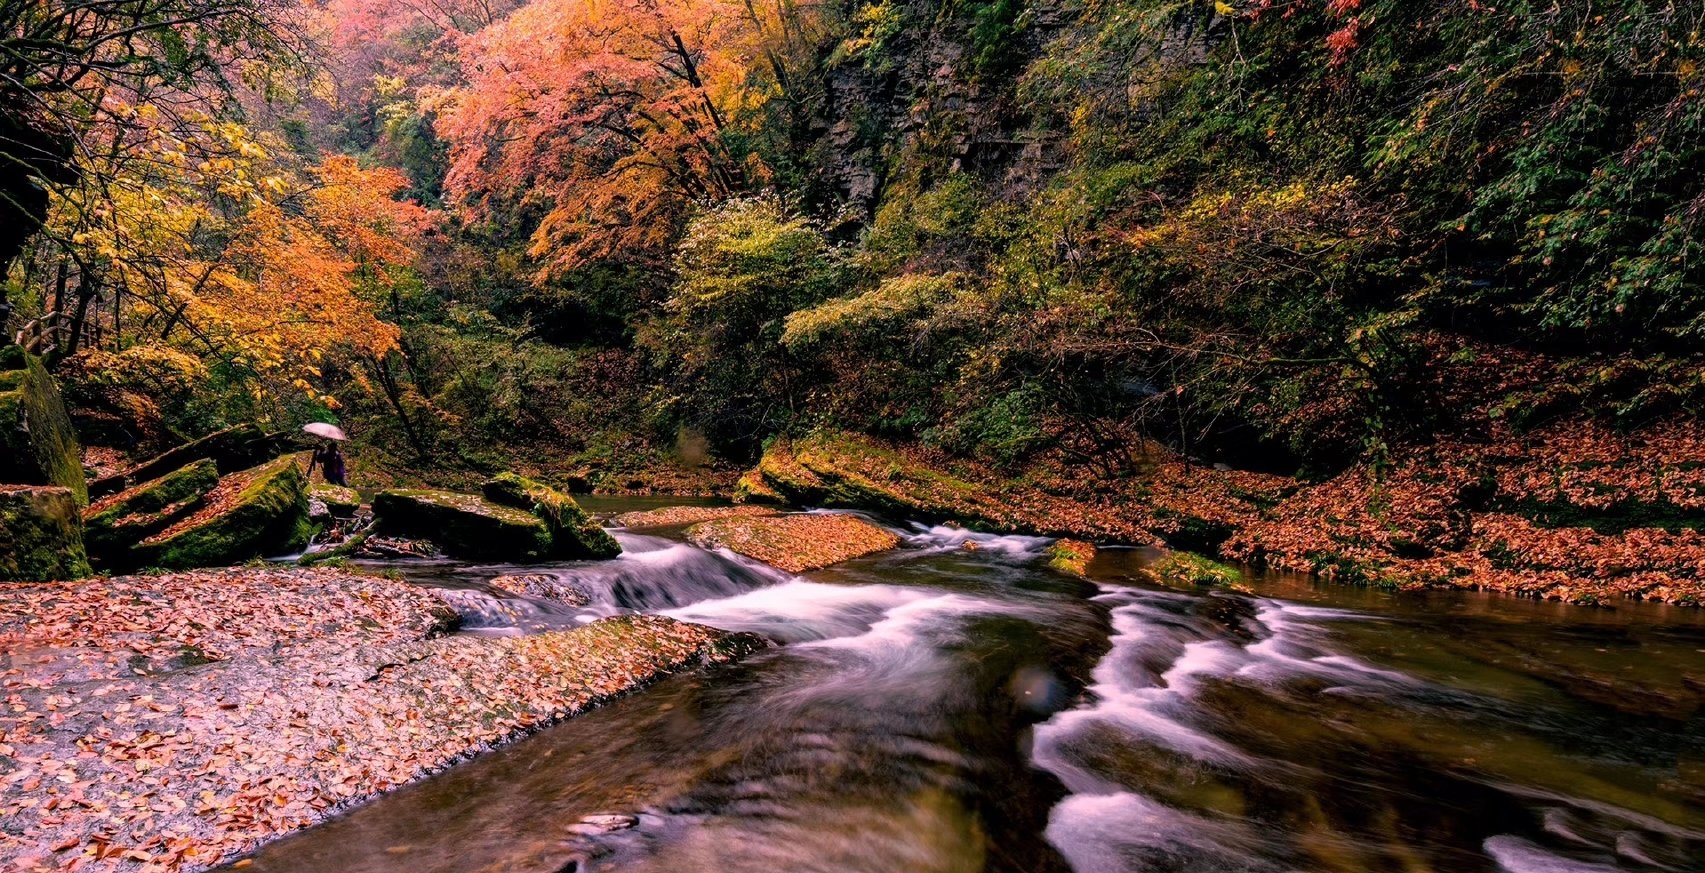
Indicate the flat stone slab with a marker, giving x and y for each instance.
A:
(671, 516)
(175, 721)
(795, 543)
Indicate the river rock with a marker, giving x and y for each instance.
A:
(41, 534)
(37, 443)
(671, 516)
(462, 525)
(573, 533)
(795, 543)
(544, 586)
(113, 524)
(254, 513)
(326, 500)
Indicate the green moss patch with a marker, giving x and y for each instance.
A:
(1184, 569)
(113, 524)
(41, 534)
(573, 533)
(255, 513)
(37, 443)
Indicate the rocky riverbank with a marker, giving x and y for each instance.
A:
(159, 723)
(1570, 512)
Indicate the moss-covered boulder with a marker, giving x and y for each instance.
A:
(574, 534)
(463, 525)
(41, 534)
(37, 443)
(232, 450)
(339, 502)
(113, 524)
(1071, 556)
(254, 513)
(1186, 569)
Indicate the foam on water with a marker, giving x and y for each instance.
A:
(1516, 855)
(1111, 833)
(946, 538)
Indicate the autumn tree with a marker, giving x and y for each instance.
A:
(65, 65)
(603, 121)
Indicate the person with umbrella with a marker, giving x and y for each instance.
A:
(328, 456)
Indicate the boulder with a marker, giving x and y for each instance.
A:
(795, 543)
(463, 525)
(574, 534)
(232, 450)
(113, 524)
(254, 513)
(41, 534)
(337, 501)
(37, 443)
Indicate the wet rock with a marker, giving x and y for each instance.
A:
(795, 543)
(1070, 556)
(573, 533)
(41, 534)
(332, 501)
(463, 525)
(1186, 569)
(37, 443)
(232, 450)
(543, 586)
(671, 516)
(255, 513)
(113, 524)
(292, 660)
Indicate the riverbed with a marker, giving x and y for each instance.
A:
(954, 705)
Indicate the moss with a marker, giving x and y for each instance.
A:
(464, 525)
(1184, 568)
(341, 502)
(113, 524)
(267, 515)
(37, 443)
(753, 489)
(574, 534)
(41, 534)
(1071, 556)
(1614, 520)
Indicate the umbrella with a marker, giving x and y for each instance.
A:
(329, 431)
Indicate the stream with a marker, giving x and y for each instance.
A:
(954, 706)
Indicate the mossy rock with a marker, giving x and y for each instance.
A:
(1071, 556)
(255, 513)
(340, 502)
(233, 450)
(1185, 569)
(753, 489)
(113, 524)
(574, 534)
(41, 534)
(463, 525)
(37, 443)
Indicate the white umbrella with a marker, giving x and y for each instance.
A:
(329, 431)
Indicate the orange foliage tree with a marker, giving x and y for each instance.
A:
(228, 245)
(605, 120)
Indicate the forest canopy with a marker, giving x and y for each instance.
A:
(1282, 234)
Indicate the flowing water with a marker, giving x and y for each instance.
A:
(955, 706)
